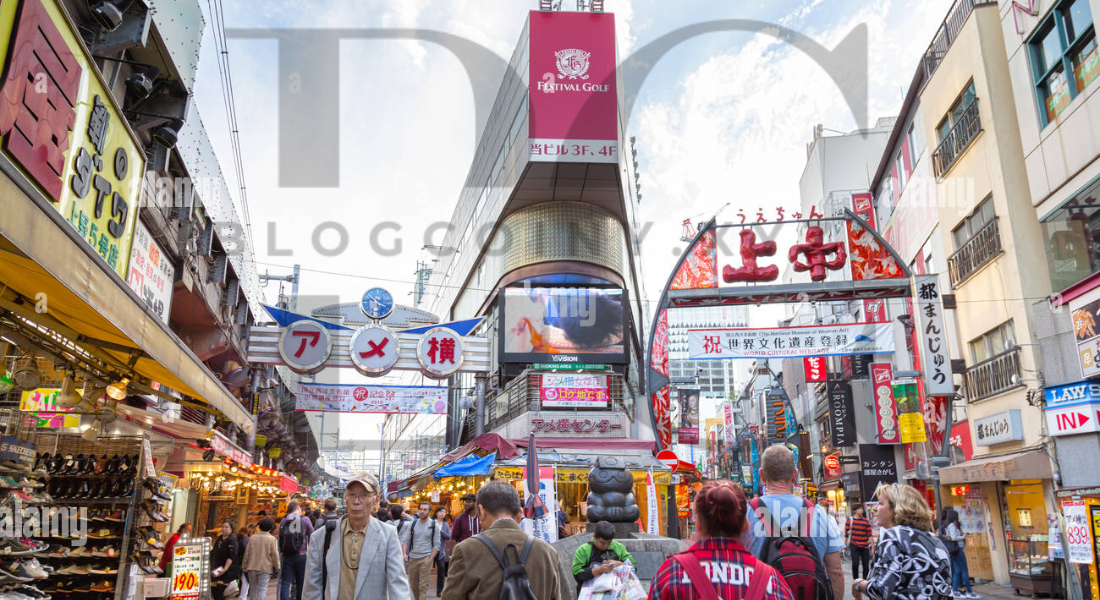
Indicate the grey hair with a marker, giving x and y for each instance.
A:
(499, 499)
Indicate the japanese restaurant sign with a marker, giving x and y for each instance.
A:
(570, 390)
(932, 333)
(389, 399)
(886, 410)
(151, 273)
(816, 369)
(790, 342)
(228, 449)
(62, 127)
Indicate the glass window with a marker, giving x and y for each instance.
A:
(992, 343)
(900, 164)
(1065, 42)
(911, 139)
(958, 108)
(973, 223)
(1071, 236)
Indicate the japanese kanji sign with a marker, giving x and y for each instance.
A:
(727, 413)
(568, 426)
(440, 352)
(886, 411)
(935, 360)
(374, 350)
(816, 369)
(1078, 532)
(151, 273)
(877, 466)
(305, 346)
(352, 398)
(784, 342)
(568, 390)
(1005, 426)
(61, 125)
(1085, 313)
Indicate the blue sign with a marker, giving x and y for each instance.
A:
(1073, 394)
(377, 303)
(17, 450)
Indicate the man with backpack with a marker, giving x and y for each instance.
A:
(294, 532)
(502, 562)
(792, 535)
(420, 542)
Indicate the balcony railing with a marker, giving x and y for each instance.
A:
(948, 31)
(983, 247)
(993, 376)
(958, 139)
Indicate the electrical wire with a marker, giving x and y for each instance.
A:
(217, 15)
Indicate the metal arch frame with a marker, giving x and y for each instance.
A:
(654, 381)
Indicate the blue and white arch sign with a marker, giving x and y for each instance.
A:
(377, 303)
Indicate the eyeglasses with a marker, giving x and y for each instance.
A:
(354, 497)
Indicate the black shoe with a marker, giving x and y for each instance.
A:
(154, 511)
(112, 465)
(150, 537)
(157, 488)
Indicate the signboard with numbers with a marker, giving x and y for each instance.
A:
(62, 127)
(791, 342)
(151, 273)
(191, 569)
(305, 346)
(1078, 532)
(934, 354)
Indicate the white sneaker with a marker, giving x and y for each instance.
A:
(972, 595)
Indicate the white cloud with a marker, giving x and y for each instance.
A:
(737, 132)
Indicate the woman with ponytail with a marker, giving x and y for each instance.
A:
(731, 572)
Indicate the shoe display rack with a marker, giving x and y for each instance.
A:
(92, 492)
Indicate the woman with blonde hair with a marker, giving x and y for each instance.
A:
(910, 562)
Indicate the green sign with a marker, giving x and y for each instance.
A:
(569, 367)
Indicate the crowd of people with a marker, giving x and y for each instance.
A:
(778, 546)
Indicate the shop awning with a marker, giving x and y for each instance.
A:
(468, 467)
(41, 255)
(1034, 464)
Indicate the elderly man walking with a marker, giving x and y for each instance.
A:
(359, 558)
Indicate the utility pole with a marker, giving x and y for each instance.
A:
(284, 303)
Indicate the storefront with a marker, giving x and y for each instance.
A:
(1004, 501)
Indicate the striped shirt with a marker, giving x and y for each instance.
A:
(729, 565)
(860, 530)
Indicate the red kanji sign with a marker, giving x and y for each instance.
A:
(441, 352)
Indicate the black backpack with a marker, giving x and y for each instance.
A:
(794, 556)
(412, 533)
(515, 585)
(290, 536)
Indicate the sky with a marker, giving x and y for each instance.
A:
(723, 118)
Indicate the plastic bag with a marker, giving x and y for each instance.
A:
(630, 586)
(608, 582)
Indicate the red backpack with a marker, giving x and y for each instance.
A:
(793, 554)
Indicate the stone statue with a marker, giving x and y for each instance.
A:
(611, 493)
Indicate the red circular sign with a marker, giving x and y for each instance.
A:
(360, 394)
(832, 463)
(669, 458)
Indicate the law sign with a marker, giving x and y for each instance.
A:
(1074, 419)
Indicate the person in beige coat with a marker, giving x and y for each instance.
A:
(261, 560)
(476, 574)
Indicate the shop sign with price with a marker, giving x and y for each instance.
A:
(191, 569)
(1078, 534)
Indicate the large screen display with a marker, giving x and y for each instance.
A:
(548, 324)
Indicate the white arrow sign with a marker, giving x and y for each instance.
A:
(1072, 420)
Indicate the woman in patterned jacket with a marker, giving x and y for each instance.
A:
(910, 563)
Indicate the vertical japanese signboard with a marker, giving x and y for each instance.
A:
(728, 414)
(545, 528)
(816, 369)
(934, 358)
(61, 125)
(877, 467)
(689, 416)
(573, 95)
(910, 413)
(842, 414)
(886, 410)
(1078, 532)
(151, 273)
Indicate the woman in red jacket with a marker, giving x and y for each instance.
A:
(166, 556)
(718, 566)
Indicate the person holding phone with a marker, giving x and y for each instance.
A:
(599, 556)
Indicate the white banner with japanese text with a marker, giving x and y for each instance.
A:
(935, 361)
(353, 398)
(784, 342)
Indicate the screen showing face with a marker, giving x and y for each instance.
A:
(569, 321)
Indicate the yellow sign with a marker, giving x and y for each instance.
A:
(912, 428)
(60, 124)
(40, 403)
(567, 475)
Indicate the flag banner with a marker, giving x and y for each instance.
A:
(790, 342)
(351, 398)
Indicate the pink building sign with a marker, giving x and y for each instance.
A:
(568, 390)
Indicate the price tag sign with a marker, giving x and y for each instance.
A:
(190, 569)
(1079, 550)
(147, 450)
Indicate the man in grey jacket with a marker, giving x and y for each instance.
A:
(362, 558)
